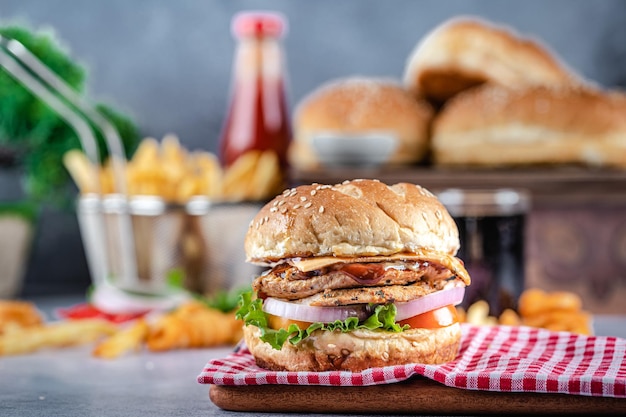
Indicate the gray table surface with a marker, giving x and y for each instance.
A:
(70, 382)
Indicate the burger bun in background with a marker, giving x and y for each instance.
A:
(464, 52)
(359, 121)
(492, 125)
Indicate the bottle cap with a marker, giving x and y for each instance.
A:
(258, 23)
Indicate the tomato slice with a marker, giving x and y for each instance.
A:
(434, 319)
(277, 322)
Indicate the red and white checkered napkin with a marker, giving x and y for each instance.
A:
(493, 358)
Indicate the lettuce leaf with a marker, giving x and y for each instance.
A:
(251, 312)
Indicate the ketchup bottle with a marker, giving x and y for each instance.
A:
(258, 118)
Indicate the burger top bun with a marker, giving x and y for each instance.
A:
(466, 51)
(355, 218)
(494, 125)
(349, 110)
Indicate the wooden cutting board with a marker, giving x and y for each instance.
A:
(415, 396)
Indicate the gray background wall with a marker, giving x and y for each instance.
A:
(167, 64)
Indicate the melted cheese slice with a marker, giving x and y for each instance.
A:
(447, 261)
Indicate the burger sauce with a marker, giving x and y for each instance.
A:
(258, 117)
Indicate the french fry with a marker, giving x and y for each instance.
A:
(238, 177)
(266, 177)
(478, 313)
(82, 171)
(147, 153)
(210, 172)
(126, 340)
(187, 188)
(55, 335)
(168, 170)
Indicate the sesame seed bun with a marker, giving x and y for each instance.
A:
(356, 107)
(493, 125)
(355, 218)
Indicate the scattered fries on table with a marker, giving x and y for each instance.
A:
(191, 325)
(168, 170)
(557, 311)
(20, 340)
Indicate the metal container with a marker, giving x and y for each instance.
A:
(201, 239)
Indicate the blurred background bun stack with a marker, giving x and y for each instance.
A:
(360, 121)
(465, 52)
(492, 125)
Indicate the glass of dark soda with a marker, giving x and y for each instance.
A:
(492, 231)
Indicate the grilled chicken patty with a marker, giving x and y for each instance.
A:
(345, 284)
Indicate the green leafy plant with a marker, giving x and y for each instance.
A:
(33, 136)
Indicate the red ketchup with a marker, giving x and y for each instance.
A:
(258, 118)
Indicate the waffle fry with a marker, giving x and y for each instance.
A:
(557, 311)
(18, 314)
(193, 325)
(534, 301)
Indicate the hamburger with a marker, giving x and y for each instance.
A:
(360, 275)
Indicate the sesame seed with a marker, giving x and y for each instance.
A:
(303, 198)
(307, 205)
(321, 210)
(297, 206)
(313, 192)
(424, 216)
(438, 215)
(274, 203)
(273, 210)
(346, 182)
(283, 210)
(281, 202)
(266, 219)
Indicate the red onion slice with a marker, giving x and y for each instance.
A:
(432, 301)
(312, 314)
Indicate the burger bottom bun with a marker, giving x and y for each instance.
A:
(356, 350)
